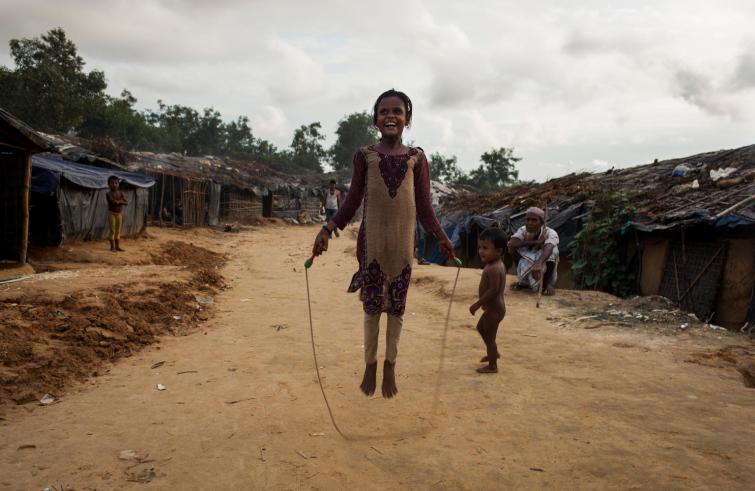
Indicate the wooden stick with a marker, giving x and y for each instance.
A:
(541, 283)
(735, 206)
(25, 190)
(676, 273)
(700, 275)
(162, 195)
(173, 197)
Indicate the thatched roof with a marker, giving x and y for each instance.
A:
(16, 134)
(661, 199)
(244, 174)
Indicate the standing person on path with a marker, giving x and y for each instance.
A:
(116, 200)
(331, 202)
(394, 182)
(490, 246)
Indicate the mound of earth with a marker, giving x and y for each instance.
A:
(47, 341)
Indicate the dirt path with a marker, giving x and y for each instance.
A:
(571, 408)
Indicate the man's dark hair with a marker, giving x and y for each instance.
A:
(393, 93)
(332, 181)
(496, 236)
(112, 178)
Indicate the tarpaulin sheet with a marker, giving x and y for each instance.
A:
(83, 212)
(49, 169)
(566, 223)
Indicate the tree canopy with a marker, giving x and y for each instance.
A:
(444, 169)
(50, 89)
(498, 169)
(354, 131)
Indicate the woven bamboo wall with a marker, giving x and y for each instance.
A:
(240, 206)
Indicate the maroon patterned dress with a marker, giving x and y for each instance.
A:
(396, 192)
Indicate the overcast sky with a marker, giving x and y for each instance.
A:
(570, 85)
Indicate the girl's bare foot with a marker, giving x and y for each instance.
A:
(488, 369)
(368, 381)
(389, 380)
(484, 359)
(549, 290)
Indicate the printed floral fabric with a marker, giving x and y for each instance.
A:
(393, 170)
(397, 291)
(376, 298)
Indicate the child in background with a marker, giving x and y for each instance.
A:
(116, 200)
(491, 245)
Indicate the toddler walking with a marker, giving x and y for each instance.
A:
(490, 246)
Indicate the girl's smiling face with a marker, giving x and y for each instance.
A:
(391, 117)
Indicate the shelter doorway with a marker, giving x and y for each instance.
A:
(14, 190)
(267, 205)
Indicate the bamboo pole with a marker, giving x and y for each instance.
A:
(162, 195)
(173, 196)
(541, 283)
(676, 274)
(24, 242)
(735, 206)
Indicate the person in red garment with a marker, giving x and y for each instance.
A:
(393, 181)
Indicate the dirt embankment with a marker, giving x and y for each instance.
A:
(48, 340)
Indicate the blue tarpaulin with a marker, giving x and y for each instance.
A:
(48, 169)
(566, 223)
(68, 200)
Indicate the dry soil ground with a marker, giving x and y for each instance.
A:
(580, 402)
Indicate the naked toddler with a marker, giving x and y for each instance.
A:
(490, 246)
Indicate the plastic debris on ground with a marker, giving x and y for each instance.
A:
(46, 400)
(160, 387)
(127, 455)
(204, 299)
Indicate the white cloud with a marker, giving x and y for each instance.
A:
(570, 85)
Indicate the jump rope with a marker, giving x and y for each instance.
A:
(436, 396)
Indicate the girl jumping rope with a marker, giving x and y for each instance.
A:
(393, 182)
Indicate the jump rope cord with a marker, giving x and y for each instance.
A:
(314, 355)
(441, 362)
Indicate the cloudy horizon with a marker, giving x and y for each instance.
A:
(592, 86)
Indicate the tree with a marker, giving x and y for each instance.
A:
(354, 131)
(239, 138)
(444, 169)
(210, 138)
(264, 151)
(49, 88)
(307, 151)
(497, 170)
(117, 119)
(183, 129)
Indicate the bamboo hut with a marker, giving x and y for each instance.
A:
(18, 142)
(690, 238)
